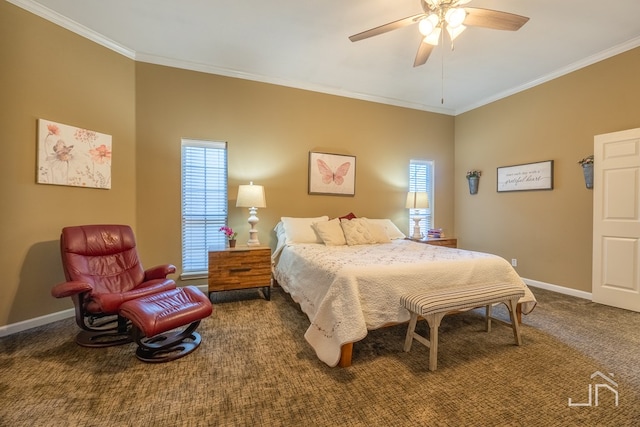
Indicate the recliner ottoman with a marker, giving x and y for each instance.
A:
(164, 324)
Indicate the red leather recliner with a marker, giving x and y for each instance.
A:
(103, 271)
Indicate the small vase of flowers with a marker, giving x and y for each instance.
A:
(473, 176)
(231, 235)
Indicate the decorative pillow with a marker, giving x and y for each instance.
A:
(378, 232)
(392, 230)
(330, 232)
(356, 232)
(300, 230)
(348, 216)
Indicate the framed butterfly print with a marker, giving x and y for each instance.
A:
(333, 174)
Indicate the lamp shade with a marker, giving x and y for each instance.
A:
(251, 196)
(417, 200)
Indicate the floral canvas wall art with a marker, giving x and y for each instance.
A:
(69, 155)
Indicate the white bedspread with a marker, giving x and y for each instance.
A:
(347, 290)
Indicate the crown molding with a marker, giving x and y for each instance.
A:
(600, 56)
(209, 69)
(64, 22)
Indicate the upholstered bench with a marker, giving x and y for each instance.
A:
(434, 305)
(163, 324)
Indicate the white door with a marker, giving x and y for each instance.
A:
(616, 219)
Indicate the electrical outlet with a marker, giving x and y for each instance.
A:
(514, 262)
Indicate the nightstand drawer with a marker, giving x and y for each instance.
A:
(449, 242)
(442, 241)
(239, 268)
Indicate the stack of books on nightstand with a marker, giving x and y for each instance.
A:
(435, 233)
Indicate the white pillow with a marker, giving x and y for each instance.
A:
(330, 232)
(378, 232)
(356, 232)
(279, 229)
(392, 230)
(300, 230)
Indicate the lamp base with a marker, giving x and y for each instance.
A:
(253, 233)
(416, 229)
(253, 238)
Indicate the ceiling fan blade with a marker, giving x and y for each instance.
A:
(494, 19)
(424, 50)
(386, 27)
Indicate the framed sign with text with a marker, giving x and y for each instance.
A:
(526, 177)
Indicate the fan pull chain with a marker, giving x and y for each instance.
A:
(442, 81)
(442, 69)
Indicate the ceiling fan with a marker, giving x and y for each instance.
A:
(440, 15)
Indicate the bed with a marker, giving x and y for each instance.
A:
(348, 274)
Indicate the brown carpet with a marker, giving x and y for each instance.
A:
(255, 369)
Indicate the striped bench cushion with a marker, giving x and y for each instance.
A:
(429, 302)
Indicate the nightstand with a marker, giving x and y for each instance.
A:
(449, 242)
(242, 267)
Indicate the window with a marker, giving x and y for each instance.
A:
(421, 179)
(204, 202)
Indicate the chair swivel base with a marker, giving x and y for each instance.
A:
(167, 346)
(100, 339)
(106, 331)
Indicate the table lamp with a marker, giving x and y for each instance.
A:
(417, 200)
(252, 197)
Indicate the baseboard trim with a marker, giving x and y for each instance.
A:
(35, 322)
(559, 289)
(53, 317)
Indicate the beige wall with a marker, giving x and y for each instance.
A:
(270, 131)
(549, 232)
(47, 72)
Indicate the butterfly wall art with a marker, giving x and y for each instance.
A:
(332, 174)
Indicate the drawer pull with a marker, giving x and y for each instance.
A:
(240, 269)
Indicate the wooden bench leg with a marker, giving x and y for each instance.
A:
(487, 320)
(512, 304)
(432, 343)
(434, 325)
(412, 326)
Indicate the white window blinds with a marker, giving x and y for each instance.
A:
(421, 179)
(204, 202)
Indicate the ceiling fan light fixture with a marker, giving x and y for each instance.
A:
(455, 31)
(438, 14)
(425, 26)
(455, 16)
(434, 37)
